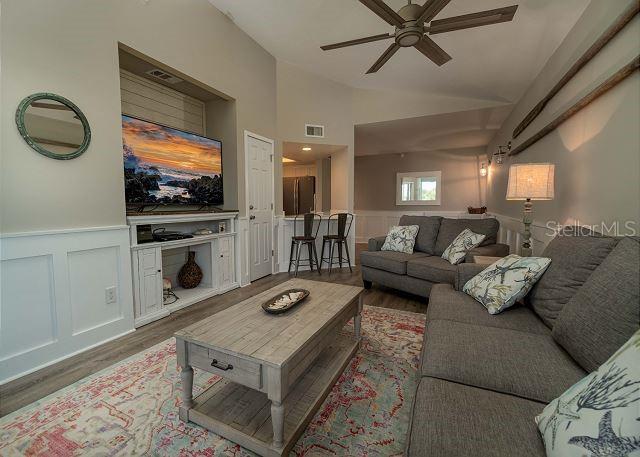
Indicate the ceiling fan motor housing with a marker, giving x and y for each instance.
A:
(410, 34)
(412, 30)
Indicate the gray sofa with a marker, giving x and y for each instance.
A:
(484, 378)
(416, 273)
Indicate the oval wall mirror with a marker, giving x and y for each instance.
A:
(53, 126)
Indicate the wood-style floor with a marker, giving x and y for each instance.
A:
(30, 388)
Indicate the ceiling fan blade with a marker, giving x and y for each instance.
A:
(432, 51)
(431, 8)
(384, 12)
(344, 44)
(391, 50)
(467, 21)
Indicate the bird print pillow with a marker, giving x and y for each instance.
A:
(599, 415)
(459, 247)
(506, 281)
(401, 238)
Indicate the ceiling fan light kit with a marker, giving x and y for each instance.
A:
(411, 30)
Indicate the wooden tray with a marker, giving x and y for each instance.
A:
(267, 305)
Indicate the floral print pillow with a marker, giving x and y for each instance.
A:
(598, 416)
(401, 238)
(506, 281)
(459, 247)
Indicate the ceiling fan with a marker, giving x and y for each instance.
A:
(411, 26)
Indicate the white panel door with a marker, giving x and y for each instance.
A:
(260, 166)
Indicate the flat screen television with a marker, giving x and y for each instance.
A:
(167, 166)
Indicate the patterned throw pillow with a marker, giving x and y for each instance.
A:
(459, 247)
(401, 238)
(598, 416)
(506, 281)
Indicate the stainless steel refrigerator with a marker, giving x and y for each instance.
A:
(299, 195)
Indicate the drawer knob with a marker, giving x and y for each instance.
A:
(214, 363)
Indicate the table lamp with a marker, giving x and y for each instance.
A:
(528, 182)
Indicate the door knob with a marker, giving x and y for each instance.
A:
(252, 217)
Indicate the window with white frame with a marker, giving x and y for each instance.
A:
(419, 188)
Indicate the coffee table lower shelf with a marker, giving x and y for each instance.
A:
(243, 415)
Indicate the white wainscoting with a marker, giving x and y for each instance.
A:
(53, 295)
(511, 230)
(377, 223)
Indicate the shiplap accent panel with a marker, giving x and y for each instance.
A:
(53, 295)
(156, 103)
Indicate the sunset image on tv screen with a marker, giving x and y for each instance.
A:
(163, 165)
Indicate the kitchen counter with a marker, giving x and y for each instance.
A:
(285, 229)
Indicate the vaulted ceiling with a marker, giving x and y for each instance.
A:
(496, 62)
(438, 132)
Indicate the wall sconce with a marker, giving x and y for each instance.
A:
(502, 151)
(483, 169)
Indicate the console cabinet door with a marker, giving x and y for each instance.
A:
(150, 280)
(227, 265)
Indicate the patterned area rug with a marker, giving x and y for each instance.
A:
(131, 408)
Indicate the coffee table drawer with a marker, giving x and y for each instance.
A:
(239, 370)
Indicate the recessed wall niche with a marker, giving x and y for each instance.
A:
(156, 92)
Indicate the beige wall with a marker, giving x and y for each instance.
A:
(596, 152)
(70, 47)
(305, 98)
(375, 179)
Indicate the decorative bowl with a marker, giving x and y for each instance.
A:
(272, 306)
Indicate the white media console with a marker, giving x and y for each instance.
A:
(216, 255)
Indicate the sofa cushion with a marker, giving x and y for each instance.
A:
(463, 243)
(528, 365)
(395, 262)
(448, 304)
(503, 283)
(451, 419)
(605, 401)
(432, 268)
(395, 281)
(451, 228)
(429, 227)
(573, 259)
(401, 238)
(605, 312)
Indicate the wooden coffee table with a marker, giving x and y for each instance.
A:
(277, 369)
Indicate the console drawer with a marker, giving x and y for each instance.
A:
(239, 370)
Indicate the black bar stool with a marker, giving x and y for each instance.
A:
(344, 221)
(309, 238)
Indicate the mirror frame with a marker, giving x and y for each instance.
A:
(24, 105)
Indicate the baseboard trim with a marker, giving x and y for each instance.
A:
(66, 356)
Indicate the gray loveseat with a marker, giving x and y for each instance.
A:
(416, 273)
(484, 378)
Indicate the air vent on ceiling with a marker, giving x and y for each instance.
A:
(163, 76)
(314, 131)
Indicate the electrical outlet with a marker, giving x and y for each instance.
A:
(110, 295)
